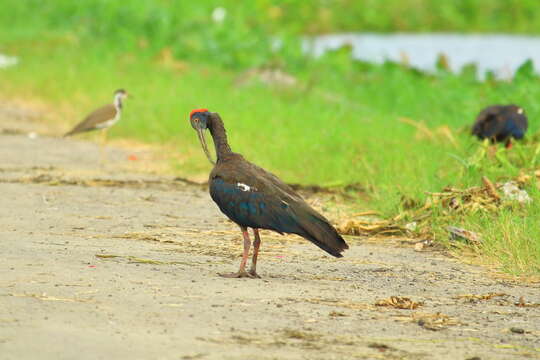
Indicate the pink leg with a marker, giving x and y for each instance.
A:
(242, 271)
(256, 245)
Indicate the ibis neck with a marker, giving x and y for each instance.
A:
(217, 129)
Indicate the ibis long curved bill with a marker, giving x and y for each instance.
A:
(200, 133)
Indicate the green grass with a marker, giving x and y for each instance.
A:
(339, 125)
(509, 235)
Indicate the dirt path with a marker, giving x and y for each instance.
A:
(104, 263)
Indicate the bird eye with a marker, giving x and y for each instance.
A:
(196, 119)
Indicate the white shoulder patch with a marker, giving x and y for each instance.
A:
(244, 187)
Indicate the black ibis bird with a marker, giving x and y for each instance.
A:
(254, 198)
(102, 118)
(501, 123)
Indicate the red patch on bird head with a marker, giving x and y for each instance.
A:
(196, 111)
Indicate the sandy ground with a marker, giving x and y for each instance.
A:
(102, 262)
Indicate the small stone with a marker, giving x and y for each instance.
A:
(411, 226)
(516, 330)
(512, 191)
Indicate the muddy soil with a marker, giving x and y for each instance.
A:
(104, 262)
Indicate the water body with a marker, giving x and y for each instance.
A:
(499, 53)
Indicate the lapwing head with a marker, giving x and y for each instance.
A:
(121, 94)
(199, 119)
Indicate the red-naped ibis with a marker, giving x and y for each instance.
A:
(501, 123)
(254, 198)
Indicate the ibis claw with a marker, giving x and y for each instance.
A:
(254, 274)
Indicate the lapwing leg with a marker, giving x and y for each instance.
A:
(508, 144)
(102, 145)
(256, 246)
(242, 271)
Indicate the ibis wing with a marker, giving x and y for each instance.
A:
(519, 126)
(250, 206)
(252, 197)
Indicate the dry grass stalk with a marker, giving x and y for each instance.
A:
(478, 198)
(490, 188)
(399, 302)
(371, 227)
(487, 296)
(441, 134)
(422, 129)
(434, 322)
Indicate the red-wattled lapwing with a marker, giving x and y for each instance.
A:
(102, 118)
(254, 198)
(501, 123)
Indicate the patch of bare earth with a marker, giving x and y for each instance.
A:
(106, 262)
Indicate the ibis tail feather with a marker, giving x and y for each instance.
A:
(321, 233)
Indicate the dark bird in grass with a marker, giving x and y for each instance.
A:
(102, 118)
(254, 198)
(501, 123)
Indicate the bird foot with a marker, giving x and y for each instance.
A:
(254, 274)
(240, 274)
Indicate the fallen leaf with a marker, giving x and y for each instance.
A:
(434, 322)
(399, 302)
